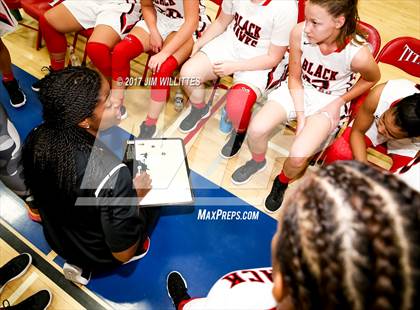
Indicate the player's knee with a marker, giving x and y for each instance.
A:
(99, 53)
(297, 161)
(257, 131)
(126, 50)
(189, 71)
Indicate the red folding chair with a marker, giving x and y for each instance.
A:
(403, 53)
(35, 9)
(393, 54)
(86, 33)
(13, 4)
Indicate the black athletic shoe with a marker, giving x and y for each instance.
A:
(147, 132)
(244, 173)
(232, 147)
(38, 301)
(191, 120)
(275, 198)
(177, 288)
(15, 268)
(16, 94)
(37, 85)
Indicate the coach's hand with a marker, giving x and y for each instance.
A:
(224, 68)
(142, 183)
(157, 60)
(156, 41)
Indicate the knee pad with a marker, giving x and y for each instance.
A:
(129, 48)
(100, 54)
(56, 41)
(239, 102)
(161, 80)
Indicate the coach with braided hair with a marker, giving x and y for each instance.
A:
(348, 239)
(64, 166)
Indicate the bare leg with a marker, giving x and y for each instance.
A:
(316, 131)
(61, 19)
(199, 66)
(263, 124)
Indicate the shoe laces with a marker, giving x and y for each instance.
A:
(46, 69)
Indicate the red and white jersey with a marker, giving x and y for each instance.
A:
(393, 91)
(330, 74)
(256, 26)
(241, 289)
(175, 9)
(7, 22)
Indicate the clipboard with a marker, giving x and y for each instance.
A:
(165, 160)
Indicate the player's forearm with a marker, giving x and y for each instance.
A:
(358, 145)
(296, 92)
(149, 15)
(181, 37)
(358, 89)
(215, 29)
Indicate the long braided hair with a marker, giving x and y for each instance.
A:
(350, 239)
(49, 154)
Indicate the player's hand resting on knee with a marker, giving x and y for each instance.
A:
(142, 183)
(224, 68)
(156, 41)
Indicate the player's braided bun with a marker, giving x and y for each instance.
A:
(350, 239)
(49, 154)
(69, 96)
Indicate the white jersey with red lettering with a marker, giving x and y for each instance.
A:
(241, 289)
(393, 91)
(7, 22)
(256, 26)
(120, 15)
(170, 17)
(253, 29)
(330, 74)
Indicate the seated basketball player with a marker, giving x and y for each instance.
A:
(389, 116)
(347, 240)
(111, 20)
(248, 40)
(87, 198)
(169, 29)
(326, 53)
(7, 24)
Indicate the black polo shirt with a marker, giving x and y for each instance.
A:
(85, 235)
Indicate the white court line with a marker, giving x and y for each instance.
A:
(22, 288)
